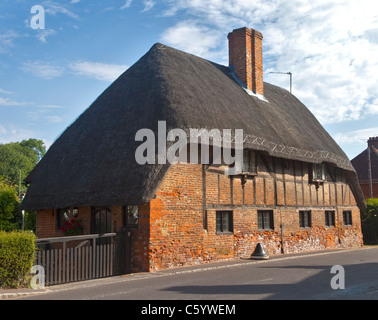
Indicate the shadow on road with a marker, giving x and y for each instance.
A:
(361, 282)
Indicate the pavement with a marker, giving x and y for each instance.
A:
(8, 294)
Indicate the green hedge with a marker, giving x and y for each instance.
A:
(17, 250)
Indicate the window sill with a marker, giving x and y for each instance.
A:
(318, 181)
(131, 226)
(248, 173)
(224, 233)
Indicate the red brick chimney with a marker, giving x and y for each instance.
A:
(245, 54)
(373, 141)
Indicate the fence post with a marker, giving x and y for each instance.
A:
(124, 250)
(121, 250)
(128, 250)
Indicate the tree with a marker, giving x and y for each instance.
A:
(9, 204)
(369, 221)
(35, 149)
(370, 214)
(17, 159)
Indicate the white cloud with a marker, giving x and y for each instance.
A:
(7, 41)
(7, 102)
(43, 70)
(148, 5)
(332, 62)
(50, 106)
(358, 137)
(53, 119)
(43, 34)
(12, 133)
(94, 70)
(97, 70)
(371, 107)
(127, 4)
(41, 115)
(6, 92)
(55, 8)
(3, 130)
(192, 37)
(329, 46)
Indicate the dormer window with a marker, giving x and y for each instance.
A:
(318, 172)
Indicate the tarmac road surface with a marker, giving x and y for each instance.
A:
(284, 277)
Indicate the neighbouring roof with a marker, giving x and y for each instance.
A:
(93, 161)
(361, 165)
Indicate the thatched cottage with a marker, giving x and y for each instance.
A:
(297, 190)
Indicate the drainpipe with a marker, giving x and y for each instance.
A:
(282, 243)
(370, 174)
(281, 227)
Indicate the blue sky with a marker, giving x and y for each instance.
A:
(48, 77)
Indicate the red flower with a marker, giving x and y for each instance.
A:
(72, 227)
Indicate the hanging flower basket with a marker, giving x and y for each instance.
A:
(72, 227)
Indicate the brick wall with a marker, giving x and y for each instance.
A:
(140, 238)
(176, 220)
(365, 187)
(179, 235)
(46, 224)
(178, 226)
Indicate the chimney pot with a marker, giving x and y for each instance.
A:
(373, 141)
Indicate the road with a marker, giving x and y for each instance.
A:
(288, 277)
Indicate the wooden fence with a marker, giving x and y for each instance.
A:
(78, 258)
(370, 234)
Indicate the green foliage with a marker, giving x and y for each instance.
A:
(370, 214)
(369, 221)
(30, 220)
(17, 250)
(17, 160)
(18, 156)
(9, 204)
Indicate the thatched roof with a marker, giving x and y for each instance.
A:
(93, 161)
